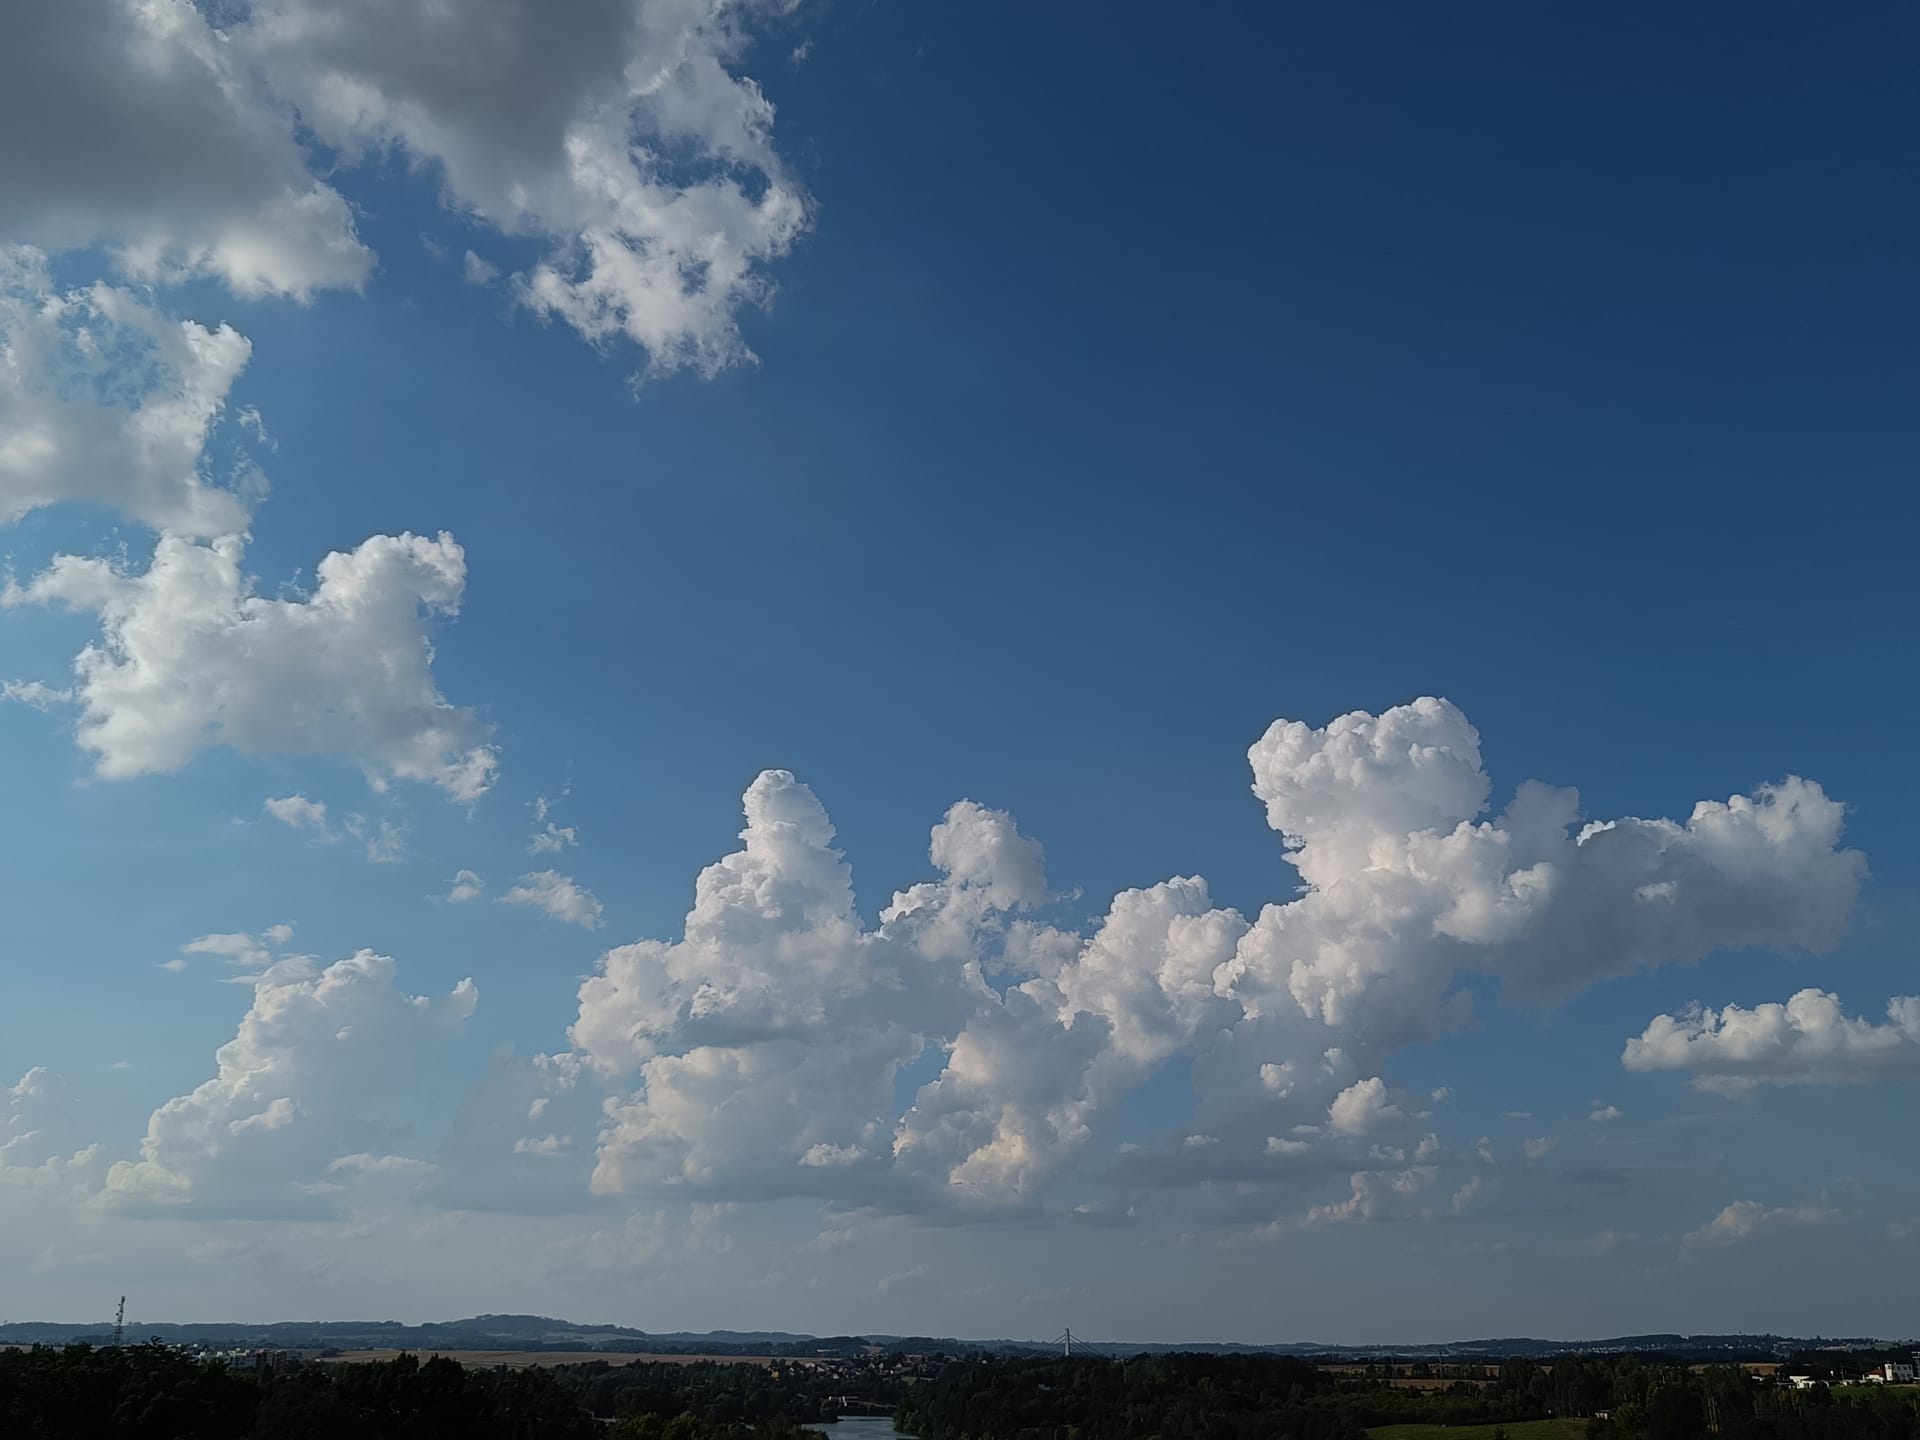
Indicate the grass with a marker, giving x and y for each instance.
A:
(1516, 1430)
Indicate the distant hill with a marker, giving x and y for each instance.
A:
(541, 1332)
(479, 1332)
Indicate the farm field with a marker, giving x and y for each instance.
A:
(1515, 1430)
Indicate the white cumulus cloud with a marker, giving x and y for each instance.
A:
(1363, 1109)
(551, 839)
(1809, 1040)
(249, 952)
(298, 812)
(1744, 1219)
(1406, 889)
(365, 1164)
(324, 1071)
(768, 1040)
(1373, 1196)
(467, 886)
(105, 400)
(616, 131)
(559, 895)
(763, 1047)
(190, 657)
(476, 271)
(35, 1155)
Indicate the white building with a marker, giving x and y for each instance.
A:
(1897, 1372)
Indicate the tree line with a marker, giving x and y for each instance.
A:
(156, 1392)
(1211, 1397)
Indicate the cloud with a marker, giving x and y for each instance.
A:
(649, 1240)
(365, 1164)
(35, 1155)
(771, 1035)
(1809, 1040)
(237, 949)
(132, 127)
(324, 1062)
(476, 271)
(1540, 1147)
(248, 952)
(761, 1051)
(467, 886)
(1744, 1219)
(552, 839)
(382, 841)
(1405, 888)
(558, 895)
(617, 133)
(837, 1236)
(1372, 1197)
(1605, 1114)
(1483, 1147)
(299, 813)
(105, 400)
(1363, 1109)
(905, 1282)
(189, 657)
(1464, 1197)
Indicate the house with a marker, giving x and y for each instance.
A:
(1896, 1372)
(1801, 1382)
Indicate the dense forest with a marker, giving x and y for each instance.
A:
(1220, 1397)
(158, 1392)
(1210, 1397)
(154, 1392)
(716, 1393)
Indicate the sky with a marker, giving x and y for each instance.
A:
(960, 669)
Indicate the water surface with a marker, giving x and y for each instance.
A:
(865, 1427)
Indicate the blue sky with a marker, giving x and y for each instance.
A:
(938, 404)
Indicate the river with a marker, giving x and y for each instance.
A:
(866, 1427)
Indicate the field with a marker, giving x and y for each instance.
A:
(1440, 1377)
(520, 1359)
(1516, 1430)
